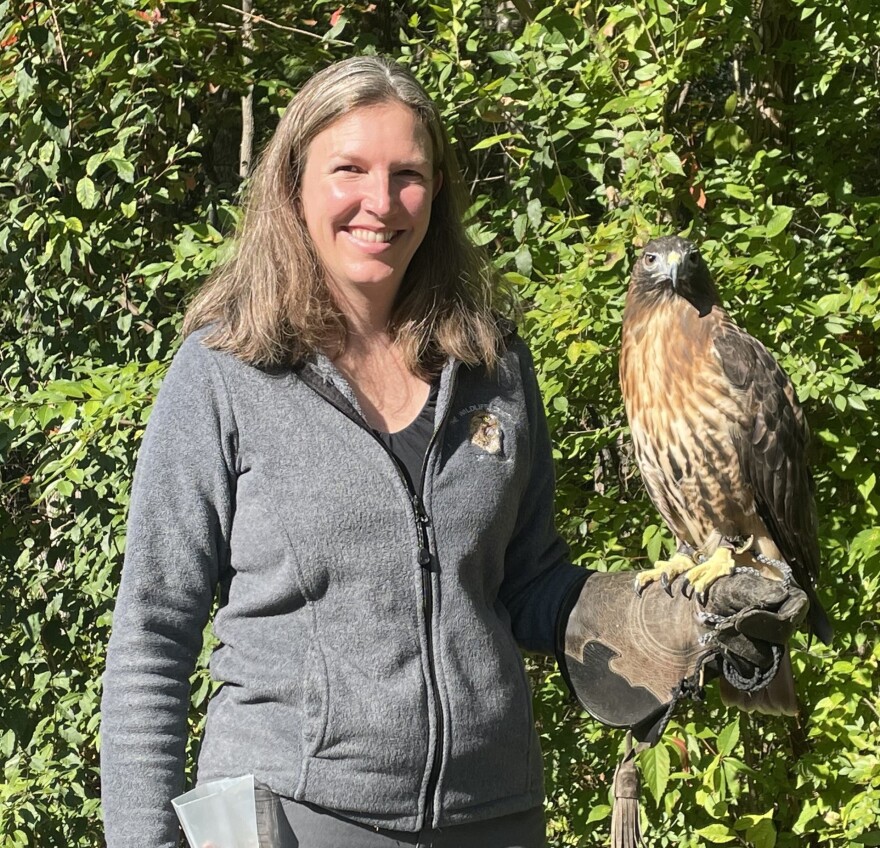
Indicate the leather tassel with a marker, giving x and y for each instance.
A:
(626, 829)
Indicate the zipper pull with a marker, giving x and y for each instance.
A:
(420, 510)
(424, 557)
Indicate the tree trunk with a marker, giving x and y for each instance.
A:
(773, 82)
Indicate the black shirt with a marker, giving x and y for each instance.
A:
(409, 445)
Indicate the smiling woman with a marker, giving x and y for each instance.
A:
(272, 304)
(367, 189)
(317, 458)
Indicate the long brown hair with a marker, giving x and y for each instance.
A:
(270, 304)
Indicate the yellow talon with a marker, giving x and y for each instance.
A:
(720, 564)
(664, 570)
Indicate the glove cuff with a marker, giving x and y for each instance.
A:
(629, 656)
(565, 610)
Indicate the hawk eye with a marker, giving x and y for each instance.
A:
(650, 259)
(693, 256)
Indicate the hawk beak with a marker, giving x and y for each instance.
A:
(674, 260)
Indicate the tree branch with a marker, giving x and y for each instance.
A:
(247, 101)
(260, 19)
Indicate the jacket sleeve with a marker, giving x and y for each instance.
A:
(538, 576)
(177, 543)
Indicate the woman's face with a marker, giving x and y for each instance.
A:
(366, 195)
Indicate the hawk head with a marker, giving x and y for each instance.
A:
(672, 267)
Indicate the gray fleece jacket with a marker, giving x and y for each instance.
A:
(369, 638)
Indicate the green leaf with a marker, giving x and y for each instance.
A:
(480, 236)
(740, 192)
(336, 29)
(599, 812)
(504, 57)
(492, 140)
(523, 260)
(762, 834)
(25, 83)
(670, 163)
(652, 541)
(728, 738)
(717, 834)
(779, 221)
(867, 485)
(153, 269)
(647, 72)
(107, 59)
(867, 542)
(654, 765)
(730, 105)
(95, 161)
(86, 193)
(47, 152)
(535, 211)
(124, 168)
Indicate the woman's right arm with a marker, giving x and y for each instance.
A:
(179, 519)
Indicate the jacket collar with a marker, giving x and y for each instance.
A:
(321, 374)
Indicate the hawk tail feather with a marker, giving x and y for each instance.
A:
(819, 623)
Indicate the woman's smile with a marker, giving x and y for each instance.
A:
(371, 236)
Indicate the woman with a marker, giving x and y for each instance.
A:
(350, 448)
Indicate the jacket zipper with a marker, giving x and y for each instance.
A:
(428, 603)
(425, 560)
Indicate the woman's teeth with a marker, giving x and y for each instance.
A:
(372, 235)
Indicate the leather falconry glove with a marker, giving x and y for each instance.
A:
(629, 657)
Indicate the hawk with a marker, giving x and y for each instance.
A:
(721, 442)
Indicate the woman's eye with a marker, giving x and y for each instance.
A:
(347, 169)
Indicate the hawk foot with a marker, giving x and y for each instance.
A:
(665, 571)
(701, 577)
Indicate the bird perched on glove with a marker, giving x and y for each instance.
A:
(721, 442)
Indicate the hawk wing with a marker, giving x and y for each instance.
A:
(773, 456)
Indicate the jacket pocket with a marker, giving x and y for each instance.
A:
(316, 698)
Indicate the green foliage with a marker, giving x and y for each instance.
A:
(584, 129)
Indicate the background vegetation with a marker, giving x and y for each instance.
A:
(585, 127)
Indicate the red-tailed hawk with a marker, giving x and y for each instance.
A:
(720, 440)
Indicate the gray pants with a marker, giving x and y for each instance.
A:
(283, 823)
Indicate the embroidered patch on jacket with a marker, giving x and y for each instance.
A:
(486, 433)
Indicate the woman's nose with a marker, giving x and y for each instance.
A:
(379, 194)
